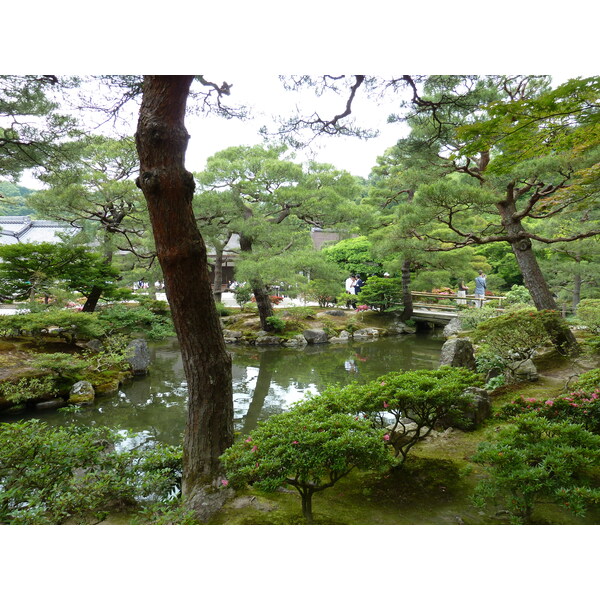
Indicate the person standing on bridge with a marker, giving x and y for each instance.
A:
(462, 292)
(480, 287)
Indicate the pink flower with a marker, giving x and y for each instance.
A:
(385, 404)
(248, 440)
(594, 396)
(294, 442)
(254, 449)
(530, 400)
(224, 482)
(549, 402)
(386, 437)
(382, 383)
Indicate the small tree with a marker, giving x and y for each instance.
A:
(381, 293)
(310, 451)
(588, 312)
(30, 269)
(406, 405)
(535, 459)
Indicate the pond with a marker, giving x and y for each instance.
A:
(265, 382)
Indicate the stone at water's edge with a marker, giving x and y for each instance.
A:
(298, 341)
(82, 392)
(50, 404)
(268, 340)
(315, 336)
(458, 352)
(343, 337)
(453, 327)
(367, 332)
(402, 328)
(138, 356)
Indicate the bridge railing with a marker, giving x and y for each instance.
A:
(418, 298)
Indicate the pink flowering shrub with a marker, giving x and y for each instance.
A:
(579, 406)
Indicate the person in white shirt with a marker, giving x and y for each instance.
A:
(350, 289)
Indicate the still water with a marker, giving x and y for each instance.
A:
(265, 382)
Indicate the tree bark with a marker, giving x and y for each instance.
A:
(161, 140)
(306, 496)
(407, 312)
(533, 278)
(218, 272)
(92, 300)
(261, 294)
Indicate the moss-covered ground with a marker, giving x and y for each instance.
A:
(434, 486)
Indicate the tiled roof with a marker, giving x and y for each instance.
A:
(27, 230)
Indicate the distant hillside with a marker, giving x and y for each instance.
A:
(13, 200)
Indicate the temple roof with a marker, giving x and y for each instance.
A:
(25, 230)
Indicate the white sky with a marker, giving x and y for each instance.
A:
(266, 96)
(266, 93)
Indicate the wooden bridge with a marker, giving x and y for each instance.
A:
(438, 313)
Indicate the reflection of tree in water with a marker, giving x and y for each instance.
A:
(291, 370)
(261, 389)
(157, 404)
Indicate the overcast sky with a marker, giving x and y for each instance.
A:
(266, 94)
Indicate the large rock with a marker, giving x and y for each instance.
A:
(50, 404)
(94, 345)
(268, 340)
(335, 313)
(138, 356)
(82, 392)
(458, 352)
(401, 328)
(524, 370)
(232, 333)
(476, 411)
(315, 336)
(343, 337)
(480, 406)
(453, 327)
(366, 333)
(298, 341)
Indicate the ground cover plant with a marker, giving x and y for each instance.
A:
(533, 460)
(581, 405)
(77, 474)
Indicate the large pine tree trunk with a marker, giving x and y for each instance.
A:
(261, 294)
(533, 278)
(407, 312)
(92, 300)
(263, 303)
(161, 140)
(218, 273)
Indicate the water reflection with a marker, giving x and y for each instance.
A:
(265, 382)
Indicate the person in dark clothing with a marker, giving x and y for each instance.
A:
(358, 285)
